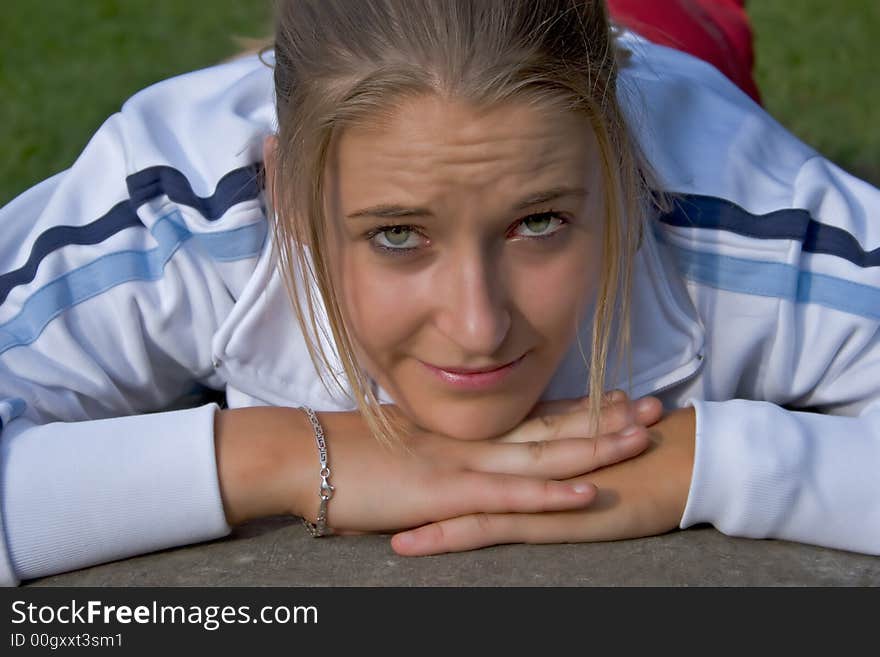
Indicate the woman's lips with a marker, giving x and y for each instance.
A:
(474, 380)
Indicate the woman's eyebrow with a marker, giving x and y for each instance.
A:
(391, 211)
(552, 194)
(386, 211)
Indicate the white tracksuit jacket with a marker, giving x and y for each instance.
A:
(143, 275)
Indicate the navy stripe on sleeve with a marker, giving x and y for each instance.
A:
(695, 211)
(119, 218)
(236, 186)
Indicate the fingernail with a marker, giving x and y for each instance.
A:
(644, 405)
(406, 540)
(631, 430)
(580, 489)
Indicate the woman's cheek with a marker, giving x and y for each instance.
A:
(552, 295)
(382, 306)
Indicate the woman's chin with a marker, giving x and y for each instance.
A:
(470, 424)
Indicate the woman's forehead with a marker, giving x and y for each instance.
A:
(432, 148)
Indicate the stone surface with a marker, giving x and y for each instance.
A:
(279, 552)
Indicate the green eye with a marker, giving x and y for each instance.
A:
(396, 240)
(541, 225)
(397, 235)
(537, 224)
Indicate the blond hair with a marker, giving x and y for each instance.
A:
(340, 63)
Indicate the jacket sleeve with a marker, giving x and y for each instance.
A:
(114, 276)
(804, 464)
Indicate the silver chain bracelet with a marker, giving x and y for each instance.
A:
(319, 528)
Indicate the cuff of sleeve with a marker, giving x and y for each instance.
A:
(81, 493)
(761, 471)
(746, 475)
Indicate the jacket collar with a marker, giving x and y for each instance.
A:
(261, 351)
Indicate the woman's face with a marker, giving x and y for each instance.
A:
(462, 240)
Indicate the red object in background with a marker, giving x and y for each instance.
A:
(716, 31)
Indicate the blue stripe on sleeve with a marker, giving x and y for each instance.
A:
(236, 186)
(695, 211)
(846, 296)
(766, 279)
(11, 408)
(773, 279)
(115, 268)
(120, 217)
(228, 245)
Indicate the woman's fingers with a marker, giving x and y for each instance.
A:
(559, 406)
(605, 519)
(615, 417)
(648, 410)
(456, 535)
(556, 459)
(473, 492)
(480, 530)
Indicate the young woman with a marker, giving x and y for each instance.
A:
(473, 214)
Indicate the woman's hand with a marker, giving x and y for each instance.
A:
(642, 496)
(268, 464)
(380, 489)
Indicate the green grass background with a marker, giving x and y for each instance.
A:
(65, 65)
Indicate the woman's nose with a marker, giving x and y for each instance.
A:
(473, 306)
